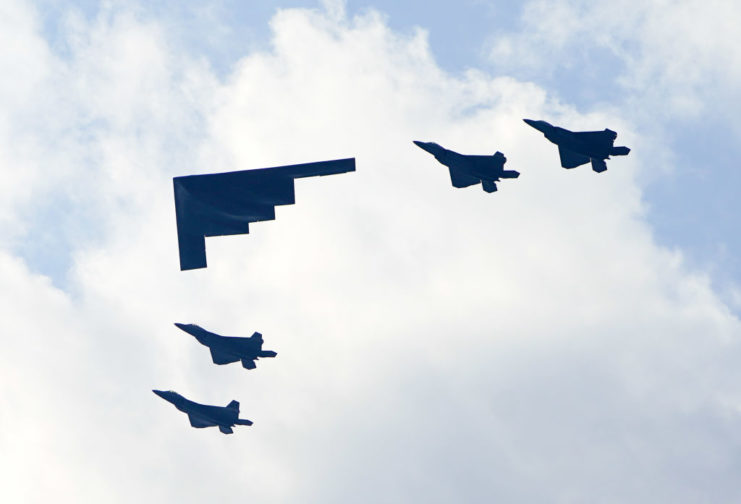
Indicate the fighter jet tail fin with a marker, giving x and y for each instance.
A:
(233, 405)
(599, 165)
(267, 353)
(619, 151)
(241, 421)
(248, 364)
(225, 429)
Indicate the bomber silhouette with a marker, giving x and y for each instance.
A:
(228, 349)
(221, 204)
(202, 415)
(467, 170)
(581, 147)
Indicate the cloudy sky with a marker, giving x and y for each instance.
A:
(573, 338)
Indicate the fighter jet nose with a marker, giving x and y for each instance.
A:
(430, 147)
(541, 126)
(179, 325)
(159, 393)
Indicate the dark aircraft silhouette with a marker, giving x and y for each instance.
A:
(228, 349)
(202, 415)
(581, 147)
(467, 170)
(221, 204)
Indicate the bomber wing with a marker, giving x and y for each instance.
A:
(220, 204)
(461, 179)
(571, 159)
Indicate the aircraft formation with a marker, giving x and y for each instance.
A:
(225, 203)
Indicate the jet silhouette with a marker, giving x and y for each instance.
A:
(202, 415)
(220, 204)
(467, 170)
(581, 147)
(228, 349)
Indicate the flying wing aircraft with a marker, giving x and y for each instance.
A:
(221, 204)
(228, 349)
(577, 148)
(466, 170)
(203, 415)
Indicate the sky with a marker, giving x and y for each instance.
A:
(572, 338)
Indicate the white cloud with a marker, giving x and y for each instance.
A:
(678, 59)
(434, 344)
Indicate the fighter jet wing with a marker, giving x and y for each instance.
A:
(220, 357)
(461, 179)
(571, 159)
(198, 423)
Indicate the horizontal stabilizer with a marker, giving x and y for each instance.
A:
(619, 151)
(599, 165)
(225, 429)
(509, 174)
(267, 353)
(489, 186)
(233, 405)
(241, 421)
(248, 364)
(571, 159)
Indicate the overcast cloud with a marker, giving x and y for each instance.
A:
(434, 345)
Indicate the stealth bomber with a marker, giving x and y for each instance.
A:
(577, 148)
(228, 349)
(221, 204)
(202, 415)
(466, 170)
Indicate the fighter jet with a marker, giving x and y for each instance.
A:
(466, 170)
(202, 415)
(581, 147)
(228, 349)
